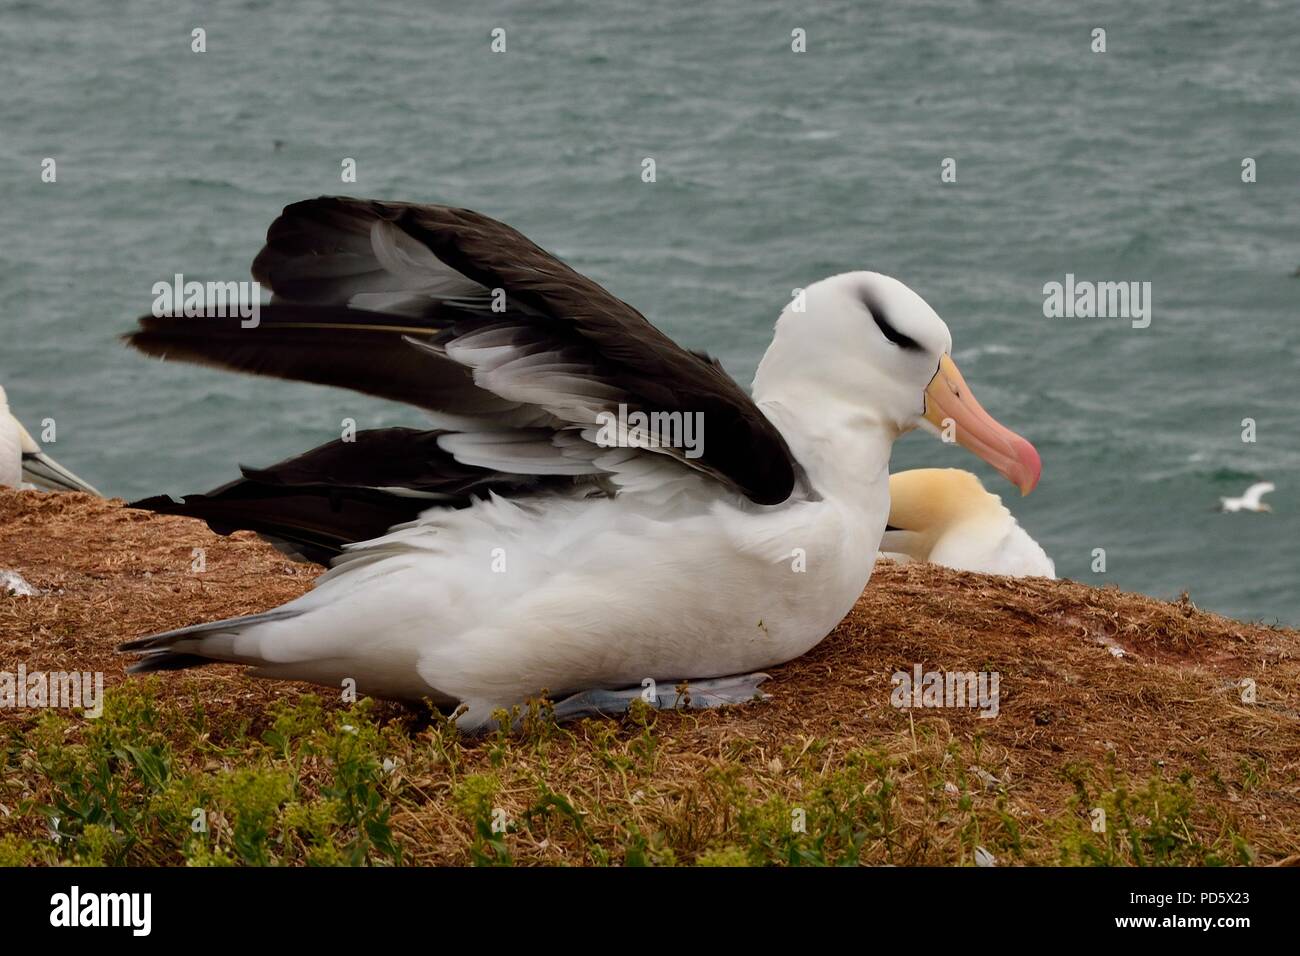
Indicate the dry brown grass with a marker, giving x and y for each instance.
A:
(1078, 725)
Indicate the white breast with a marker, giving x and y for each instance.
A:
(946, 516)
(500, 600)
(992, 547)
(11, 451)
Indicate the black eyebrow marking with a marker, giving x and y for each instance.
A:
(887, 330)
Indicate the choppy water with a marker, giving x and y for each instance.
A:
(774, 169)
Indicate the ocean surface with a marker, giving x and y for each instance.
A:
(774, 168)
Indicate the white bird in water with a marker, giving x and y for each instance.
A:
(24, 465)
(543, 535)
(945, 516)
(1252, 500)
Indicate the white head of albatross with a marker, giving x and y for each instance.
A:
(876, 357)
(510, 549)
(24, 465)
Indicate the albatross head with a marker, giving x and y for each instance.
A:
(867, 340)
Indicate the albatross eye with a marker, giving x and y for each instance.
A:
(891, 333)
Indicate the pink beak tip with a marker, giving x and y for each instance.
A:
(1030, 467)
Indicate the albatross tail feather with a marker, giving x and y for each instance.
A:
(198, 644)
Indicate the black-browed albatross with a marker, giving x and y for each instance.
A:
(511, 549)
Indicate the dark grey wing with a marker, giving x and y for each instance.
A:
(313, 505)
(457, 313)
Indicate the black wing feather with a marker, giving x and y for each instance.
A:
(341, 311)
(314, 504)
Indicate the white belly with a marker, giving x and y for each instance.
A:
(496, 604)
(11, 452)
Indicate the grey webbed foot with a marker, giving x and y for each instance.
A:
(664, 695)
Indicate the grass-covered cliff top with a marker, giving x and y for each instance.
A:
(1108, 701)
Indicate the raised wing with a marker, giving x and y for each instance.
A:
(1256, 492)
(462, 315)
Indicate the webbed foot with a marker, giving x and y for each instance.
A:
(664, 695)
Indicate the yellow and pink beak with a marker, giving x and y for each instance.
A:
(949, 404)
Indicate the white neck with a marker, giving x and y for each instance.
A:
(842, 449)
(810, 384)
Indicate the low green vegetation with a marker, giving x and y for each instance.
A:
(161, 782)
